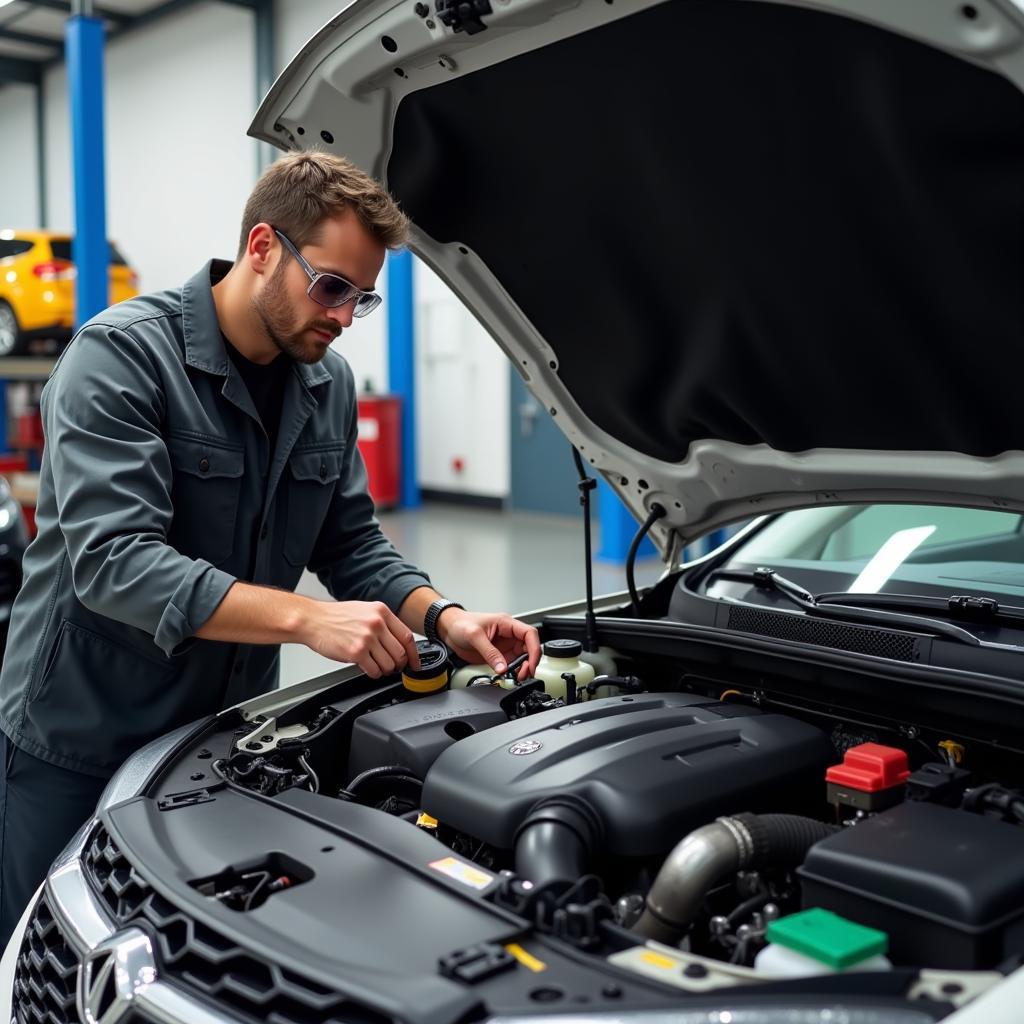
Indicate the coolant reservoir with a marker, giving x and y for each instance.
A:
(602, 660)
(816, 941)
(562, 656)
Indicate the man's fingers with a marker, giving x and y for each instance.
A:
(479, 641)
(380, 655)
(369, 666)
(393, 647)
(404, 636)
(527, 636)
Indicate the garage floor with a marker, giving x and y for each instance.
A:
(488, 561)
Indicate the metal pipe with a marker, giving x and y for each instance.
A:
(691, 869)
(716, 851)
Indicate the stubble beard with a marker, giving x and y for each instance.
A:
(277, 314)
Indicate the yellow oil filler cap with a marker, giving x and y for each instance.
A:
(432, 675)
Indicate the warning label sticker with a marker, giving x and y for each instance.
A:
(465, 874)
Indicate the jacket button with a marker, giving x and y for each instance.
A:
(323, 471)
(204, 464)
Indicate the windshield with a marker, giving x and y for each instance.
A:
(892, 548)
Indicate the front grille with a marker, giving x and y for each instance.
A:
(842, 636)
(45, 973)
(210, 964)
(121, 889)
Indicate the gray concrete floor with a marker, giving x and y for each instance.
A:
(488, 561)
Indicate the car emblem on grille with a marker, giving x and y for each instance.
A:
(111, 976)
(525, 747)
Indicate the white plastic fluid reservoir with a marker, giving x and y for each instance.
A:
(562, 656)
(462, 676)
(602, 661)
(780, 962)
(819, 941)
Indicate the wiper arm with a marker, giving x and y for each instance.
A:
(769, 579)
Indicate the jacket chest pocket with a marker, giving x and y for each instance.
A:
(205, 492)
(313, 479)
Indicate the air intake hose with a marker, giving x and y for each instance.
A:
(713, 852)
(557, 840)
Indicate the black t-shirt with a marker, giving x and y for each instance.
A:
(265, 383)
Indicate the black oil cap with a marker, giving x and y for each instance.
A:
(563, 648)
(433, 660)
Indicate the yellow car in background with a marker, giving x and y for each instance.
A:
(37, 287)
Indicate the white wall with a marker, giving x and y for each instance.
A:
(179, 97)
(462, 396)
(19, 206)
(295, 23)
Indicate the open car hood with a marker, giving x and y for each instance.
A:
(751, 256)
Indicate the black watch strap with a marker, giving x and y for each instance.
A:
(433, 613)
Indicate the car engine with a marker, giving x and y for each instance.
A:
(686, 812)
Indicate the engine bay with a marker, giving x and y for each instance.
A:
(676, 812)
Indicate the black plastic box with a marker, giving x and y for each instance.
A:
(414, 732)
(946, 885)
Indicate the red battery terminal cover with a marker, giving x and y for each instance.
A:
(870, 768)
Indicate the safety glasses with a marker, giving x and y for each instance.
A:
(329, 289)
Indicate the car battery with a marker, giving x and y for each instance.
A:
(946, 885)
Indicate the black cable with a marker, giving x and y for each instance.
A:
(656, 513)
(631, 684)
(739, 913)
(374, 773)
(391, 772)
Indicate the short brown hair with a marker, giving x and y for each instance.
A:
(298, 192)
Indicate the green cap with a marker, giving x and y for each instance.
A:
(827, 937)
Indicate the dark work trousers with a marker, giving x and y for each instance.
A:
(41, 808)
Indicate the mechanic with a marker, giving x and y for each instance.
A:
(200, 453)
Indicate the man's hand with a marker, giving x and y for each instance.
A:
(490, 637)
(365, 632)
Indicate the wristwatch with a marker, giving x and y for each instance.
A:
(433, 613)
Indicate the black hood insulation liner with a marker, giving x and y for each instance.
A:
(745, 222)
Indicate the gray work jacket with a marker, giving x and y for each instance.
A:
(157, 491)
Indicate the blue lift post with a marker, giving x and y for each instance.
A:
(83, 38)
(402, 364)
(618, 527)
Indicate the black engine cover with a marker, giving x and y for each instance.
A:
(654, 766)
(414, 732)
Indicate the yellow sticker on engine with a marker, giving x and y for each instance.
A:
(465, 874)
(657, 960)
(526, 959)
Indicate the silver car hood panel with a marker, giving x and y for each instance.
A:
(749, 354)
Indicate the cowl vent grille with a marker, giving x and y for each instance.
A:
(842, 636)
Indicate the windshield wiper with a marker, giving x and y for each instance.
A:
(980, 610)
(769, 579)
